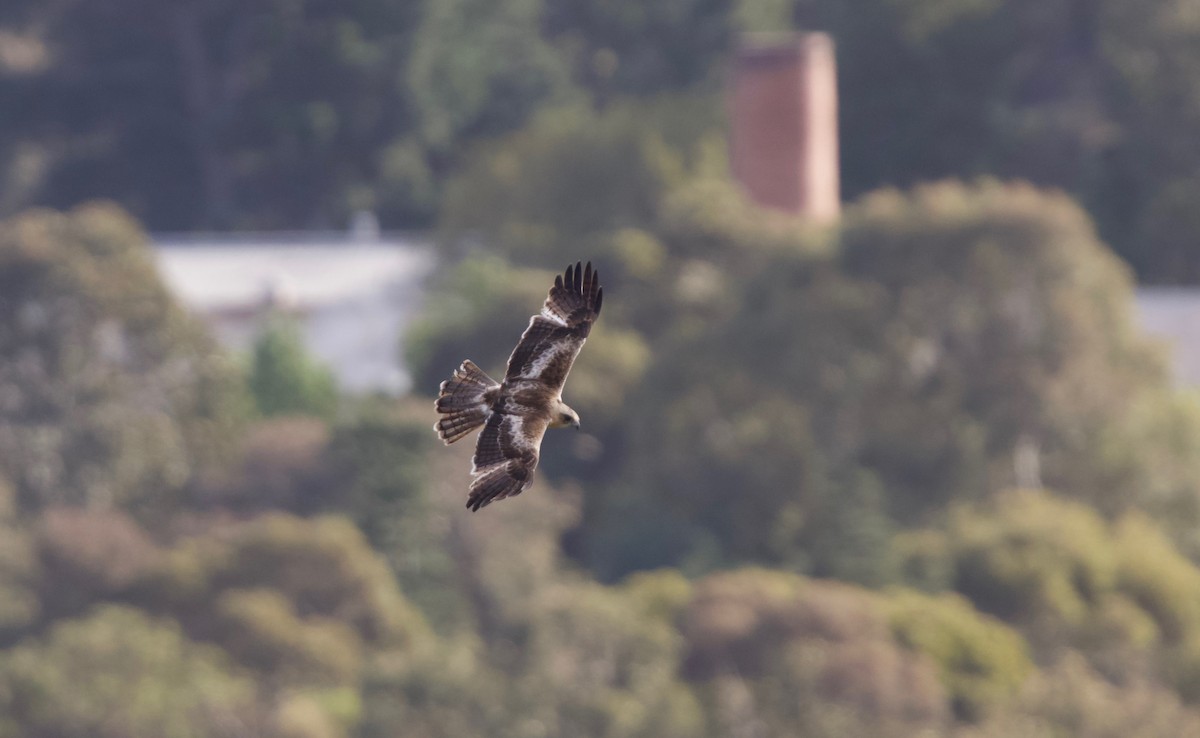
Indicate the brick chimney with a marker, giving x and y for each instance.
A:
(783, 140)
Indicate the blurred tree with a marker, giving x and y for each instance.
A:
(981, 661)
(639, 48)
(539, 649)
(119, 674)
(87, 556)
(284, 465)
(791, 656)
(278, 114)
(19, 570)
(112, 394)
(957, 341)
(572, 178)
(669, 246)
(480, 69)
(221, 114)
(1164, 583)
(1153, 72)
(323, 567)
(305, 606)
(284, 379)
(264, 631)
(1030, 558)
(1120, 594)
(1072, 699)
(852, 533)
(1019, 322)
(381, 467)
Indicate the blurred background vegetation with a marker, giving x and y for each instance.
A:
(913, 473)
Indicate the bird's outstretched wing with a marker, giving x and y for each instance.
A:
(506, 454)
(505, 457)
(549, 345)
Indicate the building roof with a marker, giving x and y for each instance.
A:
(1173, 314)
(353, 297)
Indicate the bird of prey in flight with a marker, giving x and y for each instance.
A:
(515, 413)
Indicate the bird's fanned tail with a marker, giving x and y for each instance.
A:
(464, 402)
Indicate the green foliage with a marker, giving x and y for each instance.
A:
(570, 179)
(661, 594)
(1060, 571)
(266, 116)
(610, 670)
(759, 16)
(802, 657)
(284, 380)
(852, 533)
(956, 341)
(1072, 699)
(640, 48)
(480, 68)
(380, 459)
(301, 113)
(856, 402)
(323, 566)
(981, 661)
(305, 606)
(1158, 578)
(380, 465)
(86, 556)
(284, 464)
(1029, 556)
(812, 396)
(19, 569)
(1095, 98)
(263, 628)
(119, 674)
(1021, 323)
(547, 649)
(1120, 594)
(104, 370)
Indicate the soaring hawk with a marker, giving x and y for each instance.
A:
(515, 413)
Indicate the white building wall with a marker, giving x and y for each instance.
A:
(354, 299)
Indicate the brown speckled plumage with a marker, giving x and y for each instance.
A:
(515, 413)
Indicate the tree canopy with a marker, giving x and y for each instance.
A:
(281, 114)
(915, 472)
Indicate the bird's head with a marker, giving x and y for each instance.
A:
(564, 416)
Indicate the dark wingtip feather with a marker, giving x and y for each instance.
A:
(599, 299)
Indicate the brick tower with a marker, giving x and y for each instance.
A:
(783, 110)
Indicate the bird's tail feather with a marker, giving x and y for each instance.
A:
(463, 402)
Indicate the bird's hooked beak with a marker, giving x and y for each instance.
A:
(575, 422)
